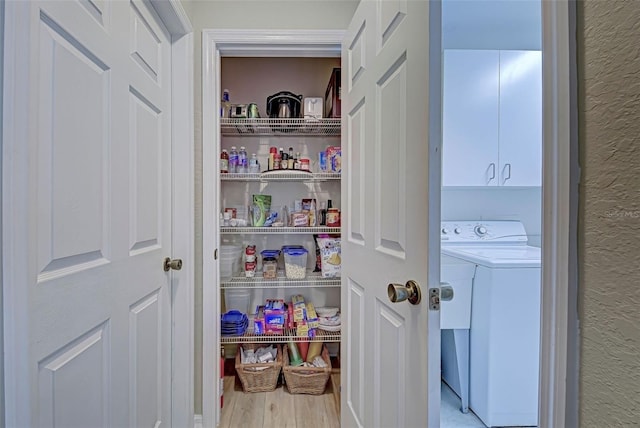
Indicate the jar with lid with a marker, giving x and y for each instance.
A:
(269, 267)
(304, 164)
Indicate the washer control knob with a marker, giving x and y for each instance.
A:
(480, 230)
(457, 231)
(445, 231)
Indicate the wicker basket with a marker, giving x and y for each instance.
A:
(306, 380)
(261, 377)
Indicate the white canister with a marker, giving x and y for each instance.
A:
(313, 107)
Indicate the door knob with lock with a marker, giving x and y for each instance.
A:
(410, 291)
(175, 264)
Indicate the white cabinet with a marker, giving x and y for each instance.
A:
(492, 118)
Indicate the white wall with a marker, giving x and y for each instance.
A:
(244, 14)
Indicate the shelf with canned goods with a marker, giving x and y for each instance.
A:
(226, 230)
(292, 127)
(295, 176)
(311, 280)
(289, 335)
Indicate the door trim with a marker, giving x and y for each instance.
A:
(15, 128)
(262, 43)
(559, 323)
(175, 19)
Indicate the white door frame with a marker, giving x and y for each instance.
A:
(263, 43)
(559, 318)
(15, 124)
(558, 392)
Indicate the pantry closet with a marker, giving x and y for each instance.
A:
(253, 79)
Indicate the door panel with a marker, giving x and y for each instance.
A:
(74, 101)
(96, 196)
(391, 149)
(386, 96)
(62, 403)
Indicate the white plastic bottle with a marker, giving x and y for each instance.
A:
(233, 160)
(225, 105)
(242, 160)
(254, 164)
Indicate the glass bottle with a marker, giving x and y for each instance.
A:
(224, 161)
(292, 159)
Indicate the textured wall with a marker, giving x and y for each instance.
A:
(609, 213)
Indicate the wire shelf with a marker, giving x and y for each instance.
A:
(312, 280)
(293, 176)
(290, 335)
(277, 230)
(280, 127)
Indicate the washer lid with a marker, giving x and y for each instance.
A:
(497, 256)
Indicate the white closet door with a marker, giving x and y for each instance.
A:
(387, 379)
(90, 200)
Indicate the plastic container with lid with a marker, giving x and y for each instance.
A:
(295, 263)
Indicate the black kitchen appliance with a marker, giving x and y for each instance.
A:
(284, 105)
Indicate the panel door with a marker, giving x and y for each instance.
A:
(385, 87)
(470, 118)
(90, 331)
(520, 118)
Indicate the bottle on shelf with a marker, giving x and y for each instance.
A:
(242, 160)
(276, 161)
(272, 158)
(224, 161)
(225, 106)
(296, 164)
(233, 160)
(323, 214)
(292, 159)
(254, 164)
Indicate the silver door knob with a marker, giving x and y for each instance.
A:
(175, 264)
(410, 291)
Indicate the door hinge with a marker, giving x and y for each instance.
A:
(215, 254)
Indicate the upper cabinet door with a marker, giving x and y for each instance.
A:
(520, 135)
(470, 118)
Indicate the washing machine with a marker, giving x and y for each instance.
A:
(504, 333)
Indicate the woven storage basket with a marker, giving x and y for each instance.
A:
(306, 380)
(261, 377)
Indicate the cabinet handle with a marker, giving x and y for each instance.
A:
(507, 168)
(492, 167)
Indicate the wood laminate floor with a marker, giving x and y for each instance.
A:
(279, 408)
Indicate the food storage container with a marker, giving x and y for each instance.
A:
(295, 263)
